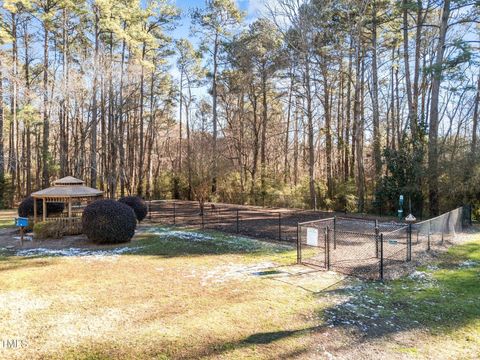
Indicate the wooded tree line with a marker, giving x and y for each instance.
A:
(321, 104)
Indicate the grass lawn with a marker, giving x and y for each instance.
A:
(7, 218)
(182, 294)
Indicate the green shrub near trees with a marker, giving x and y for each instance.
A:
(25, 209)
(137, 204)
(48, 230)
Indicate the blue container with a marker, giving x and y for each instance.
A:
(21, 222)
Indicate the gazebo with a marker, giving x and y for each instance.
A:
(70, 191)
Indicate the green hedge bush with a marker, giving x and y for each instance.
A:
(108, 222)
(25, 209)
(137, 204)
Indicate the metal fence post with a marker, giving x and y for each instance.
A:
(381, 257)
(149, 209)
(376, 241)
(327, 247)
(279, 226)
(238, 221)
(299, 246)
(174, 214)
(409, 243)
(429, 231)
(334, 232)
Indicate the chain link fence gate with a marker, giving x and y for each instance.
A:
(370, 249)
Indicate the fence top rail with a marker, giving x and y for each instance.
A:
(316, 221)
(437, 217)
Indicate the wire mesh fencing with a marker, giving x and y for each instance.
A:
(347, 245)
(372, 249)
(272, 224)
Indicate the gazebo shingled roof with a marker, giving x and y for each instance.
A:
(67, 187)
(65, 190)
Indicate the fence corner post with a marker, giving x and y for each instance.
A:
(409, 242)
(381, 257)
(327, 248)
(299, 249)
(279, 226)
(238, 219)
(429, 231)
(335, 232)
(174, 210)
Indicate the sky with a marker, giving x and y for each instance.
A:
(252, 9)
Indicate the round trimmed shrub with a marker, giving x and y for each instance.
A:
(108, 222)
(137, 204)
(25, 209)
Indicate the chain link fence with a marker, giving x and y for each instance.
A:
(372, 249)
(272, 224)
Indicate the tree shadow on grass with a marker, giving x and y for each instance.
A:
(255, 341)
(8, 263)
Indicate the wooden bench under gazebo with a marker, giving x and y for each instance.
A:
(70, 191)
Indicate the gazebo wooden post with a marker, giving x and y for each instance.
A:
(44, 209)
(34, 210)
(70, 207)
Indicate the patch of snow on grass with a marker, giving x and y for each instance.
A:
(419, 275)
(468, 264)
(77, 252)
(183, 235)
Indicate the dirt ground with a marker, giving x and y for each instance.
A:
(264, 223)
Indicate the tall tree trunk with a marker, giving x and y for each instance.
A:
(377, 156)
(214, 112)
(328, 128)
(287, 130)
(63, 120)
(349, 110)
(357, 119)
(46, 124)
(13, 110)
(93, 131)
(121, 125)
(475, 120)
(311, 150)
(263, 146)
(141, 149)
(434, 109)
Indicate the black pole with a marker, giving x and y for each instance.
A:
(334, 232)
(149, 207)
(299, 246)
(174, 213)
(237, 221)
(381, 257)
(279, 226)
(325, 246)
(327, 237)
(376, 241)
(428, 238)
(409, 243)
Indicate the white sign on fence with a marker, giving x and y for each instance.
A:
(312, 236)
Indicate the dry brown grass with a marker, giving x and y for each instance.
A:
(166, 304)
